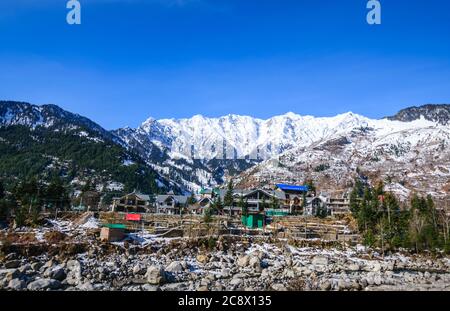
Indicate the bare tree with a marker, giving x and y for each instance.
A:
(416, 226)
(444, 217)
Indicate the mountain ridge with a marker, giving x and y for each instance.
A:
(235, 145)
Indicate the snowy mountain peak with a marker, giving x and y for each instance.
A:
(435, 113)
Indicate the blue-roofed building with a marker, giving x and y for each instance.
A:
(292, 188)
(295, 197)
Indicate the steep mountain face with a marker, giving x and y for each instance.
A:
(47, 140)
(407, 151)
(243, 136)
(187, 172)
(202, 151)
(46, 116)
(434, 113)
(407, 156)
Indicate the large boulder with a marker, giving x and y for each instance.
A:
(255, 262)
(13, 274)
(58, 273)
(155, 275)
(202, 258)
(139, 269)
(353, 267)
(320, 261)
(279, 287)
(12, 264)
(16, 284)
(42, 284)
(243, 261)
(74, 275)
(175, 267)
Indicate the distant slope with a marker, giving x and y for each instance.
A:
(47, 140)
(407, 156)
(434, 113)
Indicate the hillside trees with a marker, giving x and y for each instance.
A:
(228, 199)
(243, 204)
(2, 190)
(384, 224)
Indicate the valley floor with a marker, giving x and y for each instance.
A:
(77, 260)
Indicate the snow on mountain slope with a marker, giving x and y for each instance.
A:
(246, 136)
(406, 155)
(48, 116)
(294, 147)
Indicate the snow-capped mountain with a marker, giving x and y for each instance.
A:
(434, 113)
(244, 136)
(46, 141)
(292, 147)
(46, 116)
(409, 157)
(409, 151)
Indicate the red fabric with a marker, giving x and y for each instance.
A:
(133, 217)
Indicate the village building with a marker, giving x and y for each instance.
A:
(315, 206)
(200, 206)
(339, 205)
(133, 203)
(294, 197)
(171, 204)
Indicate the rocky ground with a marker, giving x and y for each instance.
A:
(227, 263)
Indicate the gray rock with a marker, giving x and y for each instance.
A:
(376, 266)
(353, 267)
(73, 265)
(42, 284)
(325, 286)
(255, 262)
(343, 285)
(236, 282)
(13, 274)
(175, 267)
(12, 264)
(150, 288)
(58, 273)
(203, 288)
(243, 261)
(155, 275)
(279, 287)
(320, 261)
(139, 269)
(36, 266)
(16, 284)
(86, 286)
(74, 275)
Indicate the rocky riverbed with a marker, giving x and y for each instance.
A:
(68, 255)
(223, 264)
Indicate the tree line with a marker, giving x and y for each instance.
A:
(26, 199)
(383, 222)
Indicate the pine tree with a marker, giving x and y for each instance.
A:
(228, 199)
(263, 204)
(274, 203)
(191, 200)
(207, 215)
(218, 206)
(243, 205)
(311, 187)
(2, 190)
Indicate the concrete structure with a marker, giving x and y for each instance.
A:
(112, 234)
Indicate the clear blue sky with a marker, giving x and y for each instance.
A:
(132, 59)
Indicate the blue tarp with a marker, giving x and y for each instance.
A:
(285, 187)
